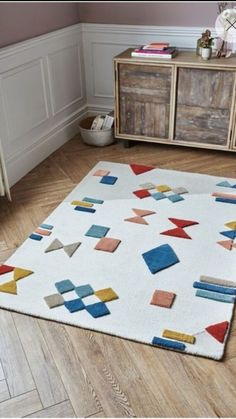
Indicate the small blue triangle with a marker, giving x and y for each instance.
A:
(231, 234)
(225, 183)
(234, 186)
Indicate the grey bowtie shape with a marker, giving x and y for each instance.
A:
(68, 248)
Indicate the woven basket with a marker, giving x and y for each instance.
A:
(99, 138)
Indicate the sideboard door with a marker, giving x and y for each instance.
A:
(203, 106)
(144, 95)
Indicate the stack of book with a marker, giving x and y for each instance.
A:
(155, 50)
(101, 122)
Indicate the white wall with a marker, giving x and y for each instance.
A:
(48, 83)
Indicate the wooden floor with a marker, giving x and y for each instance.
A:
(51, 370)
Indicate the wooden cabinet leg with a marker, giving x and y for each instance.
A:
(127, 144)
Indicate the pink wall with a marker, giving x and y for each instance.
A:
(20, 21)
(143, 13)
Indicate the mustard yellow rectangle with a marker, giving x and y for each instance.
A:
(82, 204)
(178, 336)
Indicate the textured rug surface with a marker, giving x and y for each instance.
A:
(137, 252)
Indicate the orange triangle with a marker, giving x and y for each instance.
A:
(142, 213)
(227, 244)
(9, 287)
(218, 331)
(20, 273)
(138, 220)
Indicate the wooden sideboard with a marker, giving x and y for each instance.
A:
(185, 100)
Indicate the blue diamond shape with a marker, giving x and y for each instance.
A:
(158, 196)
(108, 180)
(64, 286)
(74, 305)
(160, 258)
(97, 231)
(84, 291)
(175, 198)
(97, 309)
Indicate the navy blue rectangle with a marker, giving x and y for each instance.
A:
(35, 237)
(226, 200)
(85, 209)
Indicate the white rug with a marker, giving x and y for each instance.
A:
(180, 296)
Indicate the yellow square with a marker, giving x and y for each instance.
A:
(163, 188)
(106, 294)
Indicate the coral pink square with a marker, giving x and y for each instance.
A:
(162, 298)
(142, 193)
(107, 244)
(101, 173)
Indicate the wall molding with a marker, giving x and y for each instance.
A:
(18, 48)
(140, 30)
(76, 65)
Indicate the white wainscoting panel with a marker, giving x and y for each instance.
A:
(23, 89)
(42, 97)
(65, 78)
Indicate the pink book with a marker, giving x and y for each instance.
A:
(157, 45)
(167, 51)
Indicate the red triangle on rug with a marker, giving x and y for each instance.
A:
(139, 169)
(182, 223)
(6, 268)
(218, 330)
(176, 232)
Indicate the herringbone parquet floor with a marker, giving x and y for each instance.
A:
(52, 370)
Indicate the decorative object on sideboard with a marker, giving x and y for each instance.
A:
(204, 45)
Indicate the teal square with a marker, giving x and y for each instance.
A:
(84, 290)
(97, 231)
(175, 198)
(158, 195)
(64, 286)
